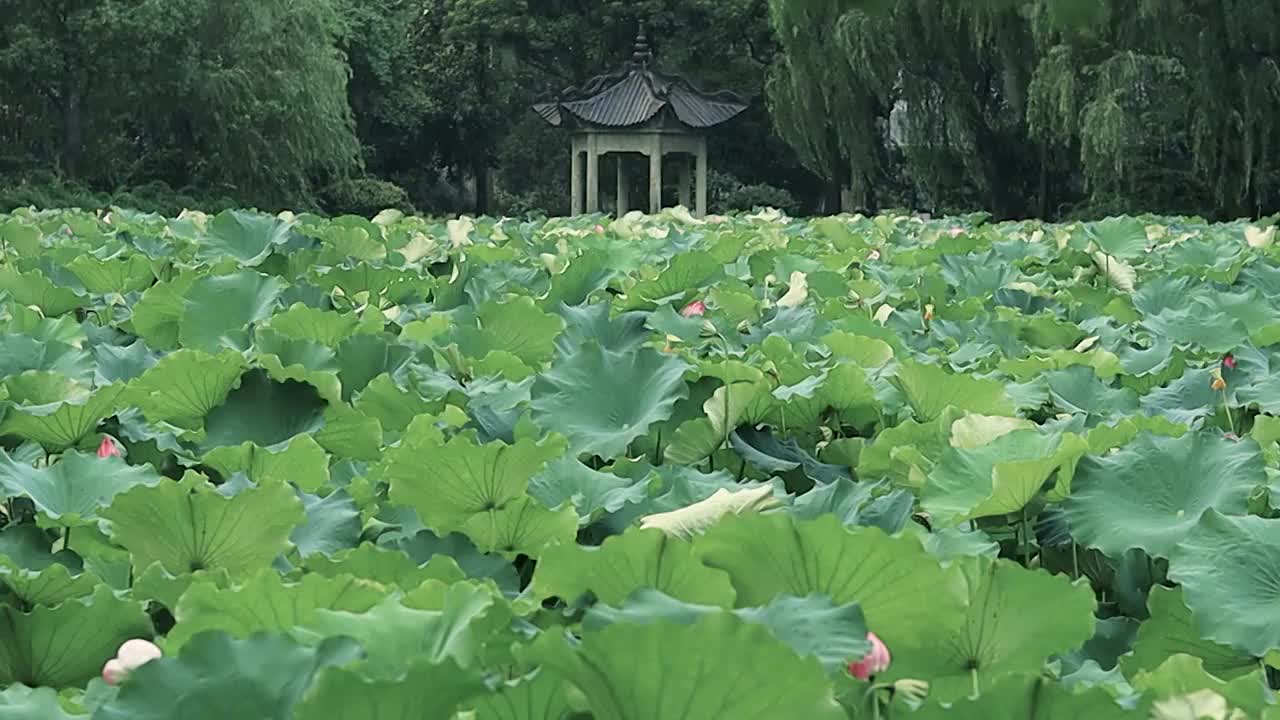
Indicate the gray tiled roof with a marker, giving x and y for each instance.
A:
(636, 94)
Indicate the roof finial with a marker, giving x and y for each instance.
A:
(643, 55)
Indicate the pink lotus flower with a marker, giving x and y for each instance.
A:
(697, 308)
(873, 255)
(1229, 361)
(874, 662)
(132, 655)
(108, 448)
(956, 231)
(599, 229)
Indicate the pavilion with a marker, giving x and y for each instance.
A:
(637, 110)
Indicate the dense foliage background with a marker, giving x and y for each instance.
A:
(1049, 108)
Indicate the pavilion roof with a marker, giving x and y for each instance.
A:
(637, 93)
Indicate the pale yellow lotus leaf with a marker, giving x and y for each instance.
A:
(1258, 237)
(974, 431)
(460, 230)
(694, 519)
(798, 293)
(1120, 275)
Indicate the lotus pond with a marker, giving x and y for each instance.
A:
(653, 468)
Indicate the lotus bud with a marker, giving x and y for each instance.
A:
(1229, 361)
(874, 662)
(108, 448)
(132, 655)
(697, 308)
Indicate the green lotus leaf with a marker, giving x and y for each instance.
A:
(350, 434)
(425, 690)
(218, 308)
(121, 364)
(1014, 621)
(19, 702)
(1171, 631)
(622, 564)
(393, 633)
(118, 275)
(74, 489)
(905, 453)
(686, 271)
(996, 479)
(540, 696)
(301, 322)
(68, 644)
(1182, 675)
(34, 288)
(902, 589)
(185, 386)
(1031, 696)
(351, 236)
(265, 603)
(1152, 492)
(865, 351)
(387, 567)
(857, 504)
(812, 626)
(1122, 237)
(54, 410)
(392, 284)
(20, 353)
(302, 462)
(764, 450)
(589, 271)
(1078, 390)
(263, 412)
(515, 326)
(597, 323)
(157, 316)
(305, 361)
(218, 676)
(930, 390)
(425, 547)
(602, 400)
(627, 672)
(34, 574)
(591, 493)
(521, 527)
(365, 356)
(187, 526)
(246, 236)
(450, 483)
(333, 524)
(1225, 566)
(392, 406)
(155, 584)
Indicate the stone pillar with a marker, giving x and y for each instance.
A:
(686, 176)
(655, 175)
(575, 181)
(593, 174)
(701, 210)
(623, 202)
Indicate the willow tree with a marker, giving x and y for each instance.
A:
(929, 89)
(1171, 105)
(245, 97)
(1042, 107)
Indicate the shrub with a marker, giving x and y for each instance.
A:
(365, 197)
(727, 195)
